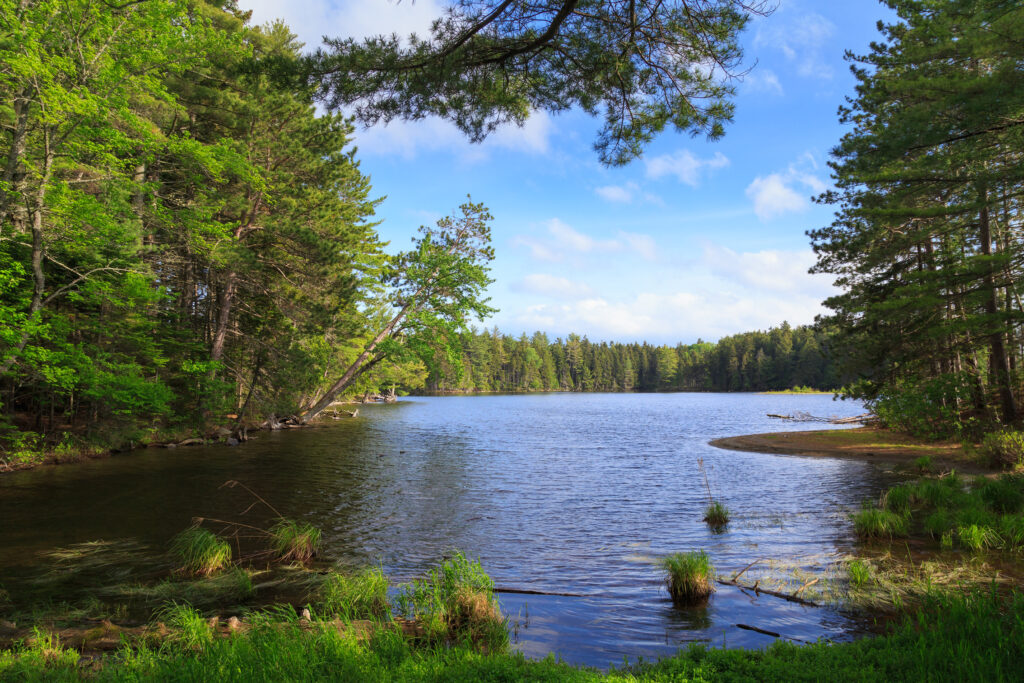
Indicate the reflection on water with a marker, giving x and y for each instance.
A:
(567, 493)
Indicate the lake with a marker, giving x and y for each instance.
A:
(560, 493)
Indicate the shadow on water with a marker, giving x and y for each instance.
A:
(577, 493)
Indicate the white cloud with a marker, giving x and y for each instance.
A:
(552, 286)
(565, 240)
(313, 19)
(763, 80)
(406, 139)
(801, 36)
(726, 292)
(670, 317)
(617, 193)
(786, 191)
(568, 238)
(684, 165)
(641, 244)
(773, 196)
(770, 270)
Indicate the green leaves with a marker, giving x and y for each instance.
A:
(640, 65)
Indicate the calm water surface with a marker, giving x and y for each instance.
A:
(564, 493)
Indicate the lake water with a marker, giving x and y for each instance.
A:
(561, 493)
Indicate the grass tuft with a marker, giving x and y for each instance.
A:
(200, 552)
(456, 604)
(363, 595)
(188, 629)
(716, 514)
(294, 541)
(872, 523)
(689, 577)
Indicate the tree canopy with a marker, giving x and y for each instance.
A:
(640, 64)
(927, 236)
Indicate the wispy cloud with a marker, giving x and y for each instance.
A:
(626, 194)
(786, 191)
(552, 286)
(684, 165)
(763, 81)
(562, 240)
(802, 37)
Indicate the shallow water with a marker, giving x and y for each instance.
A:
(564, 493)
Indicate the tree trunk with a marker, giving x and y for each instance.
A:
(999, 366)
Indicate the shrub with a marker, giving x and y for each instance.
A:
(1004, 449)
(878, 523)
(294, 541)
(200, 551)
(363, 595)
(716, 514)
(689, 577)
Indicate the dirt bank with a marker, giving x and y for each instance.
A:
(878, 446)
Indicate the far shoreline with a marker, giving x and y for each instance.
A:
(869, 444)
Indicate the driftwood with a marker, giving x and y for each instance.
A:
(800, 416)
(525, 591)
(778, 594)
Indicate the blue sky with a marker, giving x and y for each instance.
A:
(695, 240)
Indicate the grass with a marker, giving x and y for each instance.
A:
(362, 595)
(456, 604)
(874, 523)
(975, 636)
(689, 577)
(200, 552)
(716, 514)
(187, 627)
(294, 541)
(974, 514)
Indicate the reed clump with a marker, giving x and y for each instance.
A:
(200, 552)
(361, 595)
(716, 514)
(872, 523)
(689, 577)
(294, 541)
(456, 604)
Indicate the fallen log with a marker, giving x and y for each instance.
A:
(778, 594)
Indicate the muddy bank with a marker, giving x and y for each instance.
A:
(881, 447)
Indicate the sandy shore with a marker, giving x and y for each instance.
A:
(878, 446)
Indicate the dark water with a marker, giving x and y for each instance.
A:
(569, 493)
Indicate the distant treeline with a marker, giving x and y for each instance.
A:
(780, 358)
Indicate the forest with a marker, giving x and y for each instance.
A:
(779, 359)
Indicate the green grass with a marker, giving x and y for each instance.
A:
(689, 577)
(456, 604)
(924, 464)
(187, 627)
(953, 638)
(294, 541)
(362, 595)
(200, 552)
(873, 523)
(976, 515)
(716, 514)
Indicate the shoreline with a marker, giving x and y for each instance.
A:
(869, 444)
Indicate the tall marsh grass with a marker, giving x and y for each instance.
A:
(456, 604)
(362, 595)
(294, 541)
(689, 577)
(200, 552)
